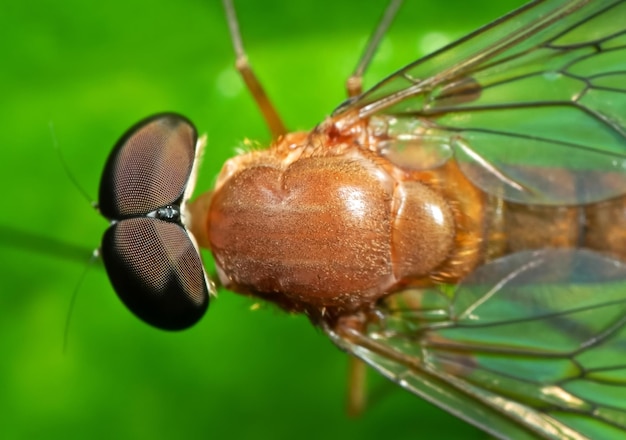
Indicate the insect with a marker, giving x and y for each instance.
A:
(460, 226)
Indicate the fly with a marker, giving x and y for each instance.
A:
(460, 226)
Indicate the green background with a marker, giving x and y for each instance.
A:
(94, 69)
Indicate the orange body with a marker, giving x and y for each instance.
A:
(327, 223)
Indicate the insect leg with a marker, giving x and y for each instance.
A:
(272, 118)
(357, 386)
(354, 85)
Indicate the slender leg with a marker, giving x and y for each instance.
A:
(357, 387)
(354, 85)
(357, 370)
(273, 120)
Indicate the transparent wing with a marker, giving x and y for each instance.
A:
(541, 90)
(532, 344)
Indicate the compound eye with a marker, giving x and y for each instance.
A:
(149, 167)
(151, 259)
(156, 271)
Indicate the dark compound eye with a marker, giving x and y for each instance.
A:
(150, 258)
(156, 271)
(149, 167)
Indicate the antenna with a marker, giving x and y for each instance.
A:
(66, 330)
(69, 173)
(94, 254)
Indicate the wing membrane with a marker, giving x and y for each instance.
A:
(539, 90)
(531, 344)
